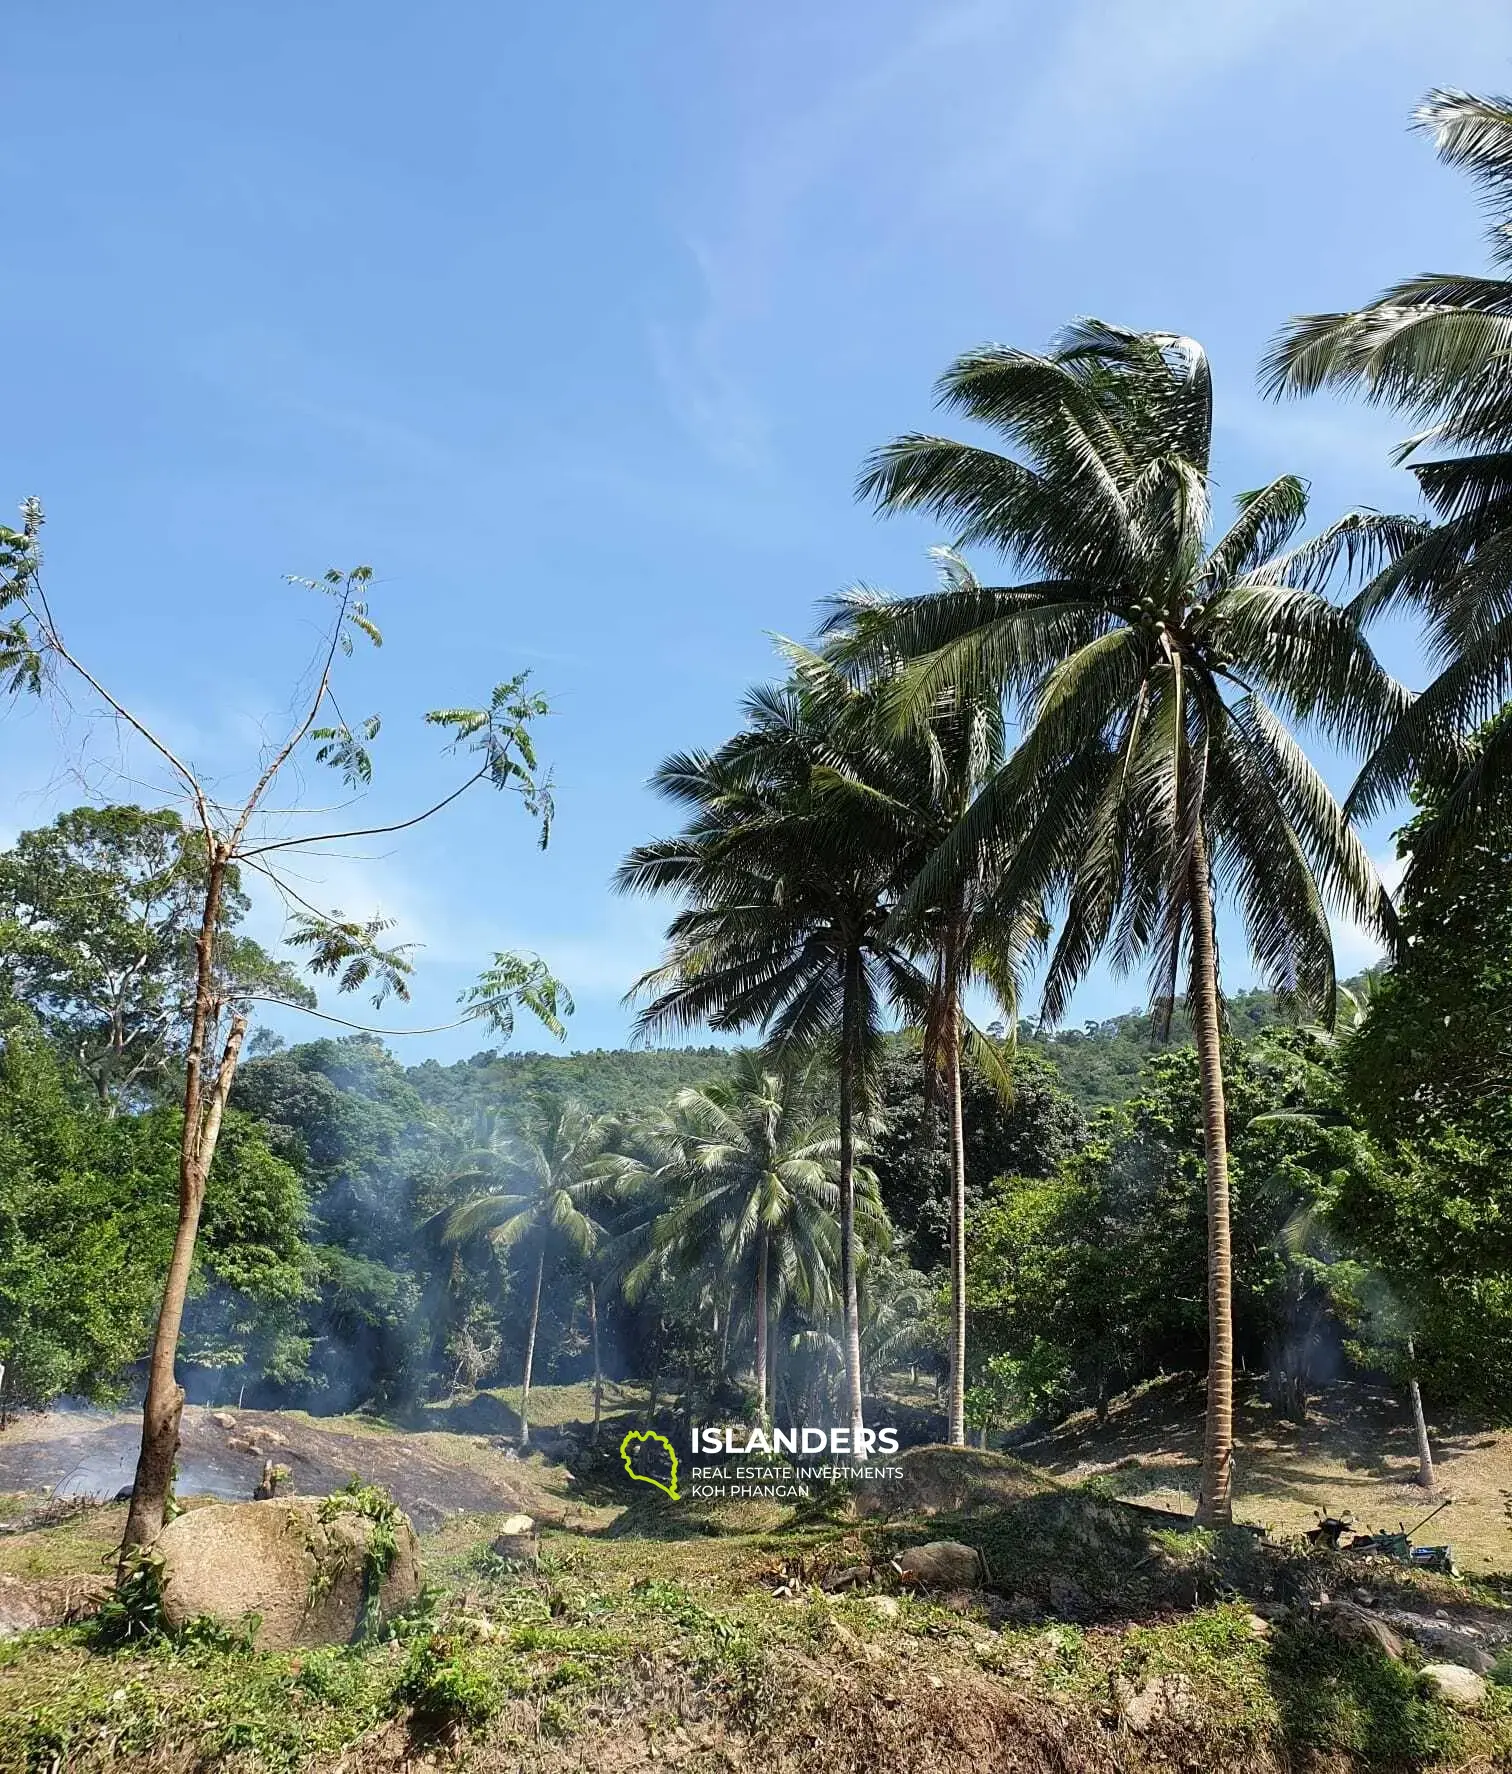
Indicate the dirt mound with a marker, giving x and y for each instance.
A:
(834, 1719)
(1076, 1555)
(305, 1571)
(651, 1516)
(26, 1604)
(951, 1481)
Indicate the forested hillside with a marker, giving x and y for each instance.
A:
(1097, 1064)
(1100, 1063)
(617, 1081)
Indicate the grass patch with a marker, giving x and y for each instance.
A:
(84, 1544)
(1331, 1700)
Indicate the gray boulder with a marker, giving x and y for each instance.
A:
(941, 1564)
(1461, 1687)
(307, 1579)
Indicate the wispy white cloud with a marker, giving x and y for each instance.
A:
(740, 259)
(1355, 947)
(979, 100)
(454, 940)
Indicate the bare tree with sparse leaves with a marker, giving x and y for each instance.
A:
(249, 836)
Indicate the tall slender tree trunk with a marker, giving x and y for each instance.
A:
(204, 1106)
(530, 1342)
(850, 1046)
(689, 1378)
(598, 1366)
(1419, 1424)
(774, 1339)
(763, 1332)
(656, 1373)
(957, 1413)
(1215, 1504)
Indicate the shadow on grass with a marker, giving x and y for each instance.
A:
(484, 1413)
(1337, 1699)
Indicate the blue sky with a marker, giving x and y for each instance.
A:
(576, 323)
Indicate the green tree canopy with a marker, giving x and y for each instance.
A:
(1102, 1264)
(1429, 1075)
(88, 1204)
(98, 916)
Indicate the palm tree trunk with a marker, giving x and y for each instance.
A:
(687, 1394)
(530, 1342)
(1215, 1503)
(849, 1053)
(773, 1339)
(598, 1366)
(1420, 1424)
(957, 1429)
(763, 1332)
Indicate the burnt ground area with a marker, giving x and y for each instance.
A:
(221, 1455)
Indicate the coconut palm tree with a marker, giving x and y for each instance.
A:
(787, 897)
(1152, 671)
(533, 1187)
(744, 1175)
(1439, 348)
(922, 781)
(752, 1181)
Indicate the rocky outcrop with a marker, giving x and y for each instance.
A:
(29, 1603)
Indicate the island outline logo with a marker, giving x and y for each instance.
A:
(639, 1437)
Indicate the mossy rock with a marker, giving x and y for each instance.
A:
(310, 1574)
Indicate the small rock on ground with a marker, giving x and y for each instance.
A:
(942, 1564)
(1459, 1686)
(1161, 1697)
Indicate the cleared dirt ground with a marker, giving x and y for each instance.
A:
(1355, 1454)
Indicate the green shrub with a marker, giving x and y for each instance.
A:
(445, 1686)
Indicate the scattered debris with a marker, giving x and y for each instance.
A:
(1329, 1535)
(50, 1514)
